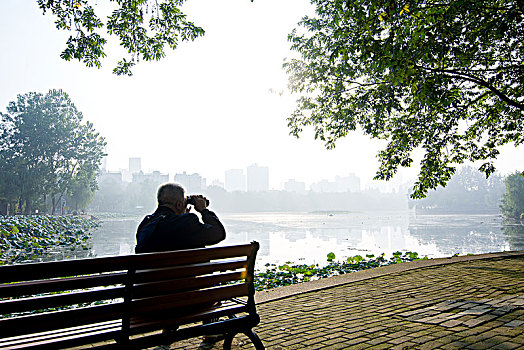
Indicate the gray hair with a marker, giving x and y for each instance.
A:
(169, 193)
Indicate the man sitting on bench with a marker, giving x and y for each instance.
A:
(173, 227)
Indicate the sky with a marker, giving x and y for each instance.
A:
(217, 103)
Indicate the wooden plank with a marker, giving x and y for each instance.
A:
(10, 327)
(71, 340)
(184, 299)
(60, 334)
(143, 276)
(62, 284)
(54, 269)
(171, 286)
(190, 256)
(59, 300)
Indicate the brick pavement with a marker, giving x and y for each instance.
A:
(472, 304)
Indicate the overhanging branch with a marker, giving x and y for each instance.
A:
(475, 80)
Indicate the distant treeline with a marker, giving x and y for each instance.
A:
(468, 191)
(311, 201)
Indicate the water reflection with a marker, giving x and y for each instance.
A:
(514, 234)
(308, 238)
(115, 237)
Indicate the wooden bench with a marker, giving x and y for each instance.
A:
(127, 301)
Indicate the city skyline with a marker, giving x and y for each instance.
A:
(238, 180)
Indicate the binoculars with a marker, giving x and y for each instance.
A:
(191, 200)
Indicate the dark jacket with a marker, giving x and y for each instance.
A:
(164, 230)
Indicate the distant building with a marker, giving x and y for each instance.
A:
(324, 186)
(135, 165)
(103, 167)
(295, 186)
(257, 178)
(110, 176)
(193, 183)
(235, 180)
(155, 177)
(217, 183)
(350, 183)
(394, 185)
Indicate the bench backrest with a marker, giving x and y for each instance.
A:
(113, 297)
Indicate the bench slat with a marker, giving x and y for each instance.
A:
(59, 269)
(143, 276)
(10, 327)
(54, 269)
(63, 284)
(190, 256)
(185, 284)
(59, 300)
(60, 335)
(169, 303)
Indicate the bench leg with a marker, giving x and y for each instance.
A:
(228, 340)
(255, 339)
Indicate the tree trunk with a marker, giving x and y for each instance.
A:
(28, 207)
(45, 203)
(19, 206)
(53, 203)
(4, 208)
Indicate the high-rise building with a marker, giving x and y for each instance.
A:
(135, 165)
(193, 183)
(257, 178)
(235, 180)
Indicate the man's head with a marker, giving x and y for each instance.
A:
(172, 196)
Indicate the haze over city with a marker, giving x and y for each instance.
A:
(217, 103)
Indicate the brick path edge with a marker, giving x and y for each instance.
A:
(324, 283)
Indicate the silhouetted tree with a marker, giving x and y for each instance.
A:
(46, 150)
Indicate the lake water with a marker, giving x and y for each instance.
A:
(309, 237)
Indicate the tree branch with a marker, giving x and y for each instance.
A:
(464, 76)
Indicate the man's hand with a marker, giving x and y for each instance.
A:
(200, 203)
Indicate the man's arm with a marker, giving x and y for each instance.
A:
(210, 232)
(195, 234)
(216, 230)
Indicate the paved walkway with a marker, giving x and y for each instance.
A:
(474, 302)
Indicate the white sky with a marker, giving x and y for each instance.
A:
(205, 108)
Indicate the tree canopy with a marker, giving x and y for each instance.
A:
(46, 152)
(445, 77)
(143, 28)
